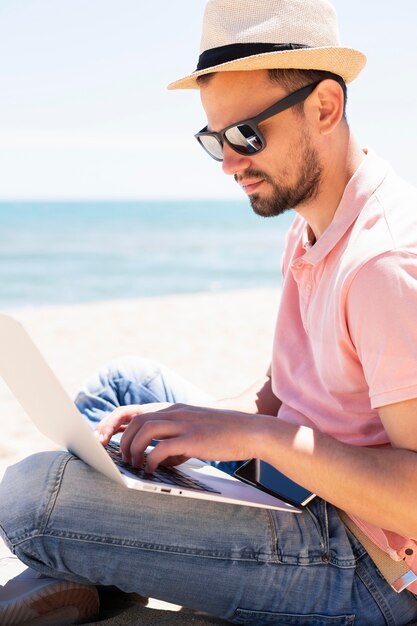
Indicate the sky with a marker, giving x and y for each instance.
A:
(85, 113)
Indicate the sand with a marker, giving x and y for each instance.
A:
(219, 341)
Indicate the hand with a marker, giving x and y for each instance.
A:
(186, 431)
(118, 420)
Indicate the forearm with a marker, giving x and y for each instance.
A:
(259, 398)
(376, 484)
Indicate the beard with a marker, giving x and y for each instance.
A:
(285, 197)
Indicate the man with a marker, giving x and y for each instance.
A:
(343, 380)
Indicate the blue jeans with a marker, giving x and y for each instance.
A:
(247, 565)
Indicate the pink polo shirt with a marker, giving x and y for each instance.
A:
(346, 334)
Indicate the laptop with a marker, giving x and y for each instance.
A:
(53, 412)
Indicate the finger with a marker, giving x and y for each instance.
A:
(172, 461)
(139, 436)
(131, 430)
(166, 449)
(104, 438)
(115, 422)
(148, 413)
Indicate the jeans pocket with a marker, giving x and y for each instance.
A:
(259, 618)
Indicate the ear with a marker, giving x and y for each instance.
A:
(329, 101)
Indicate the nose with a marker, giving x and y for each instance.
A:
(233, 162)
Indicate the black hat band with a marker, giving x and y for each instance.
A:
(234, 51)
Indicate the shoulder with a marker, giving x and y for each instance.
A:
(391, 274)
(383, 240)
(389, 218)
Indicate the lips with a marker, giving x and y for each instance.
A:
(250, 186)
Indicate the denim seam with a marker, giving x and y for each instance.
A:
(319, 527)
(316, 558)
(358, 550)
(122, 543)
(242, 613)
(313, 558)
(274, 536)
(54, 492)
(48, 509)
(374, 591)
(326, 529)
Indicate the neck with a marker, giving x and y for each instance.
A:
(338, 169)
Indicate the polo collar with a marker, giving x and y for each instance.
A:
(363, 184)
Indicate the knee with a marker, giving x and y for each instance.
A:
(120, 382)
(24, 494)
(127, 369)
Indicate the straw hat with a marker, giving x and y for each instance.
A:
(268, 34)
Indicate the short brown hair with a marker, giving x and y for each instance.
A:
(293, 80)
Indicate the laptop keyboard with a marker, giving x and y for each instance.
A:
(162, 475)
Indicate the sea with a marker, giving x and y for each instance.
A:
(72, 252)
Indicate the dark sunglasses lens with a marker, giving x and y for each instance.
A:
(212, 146)
(243, 139)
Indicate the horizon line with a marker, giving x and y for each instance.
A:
(57, 200)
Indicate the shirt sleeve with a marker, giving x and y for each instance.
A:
(382, 321)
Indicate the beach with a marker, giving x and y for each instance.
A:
(192, 285)
(219, 341)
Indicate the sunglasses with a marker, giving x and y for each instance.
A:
(245, 137)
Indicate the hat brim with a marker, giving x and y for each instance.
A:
(346, 62)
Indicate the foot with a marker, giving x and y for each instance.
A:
(28, 598)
